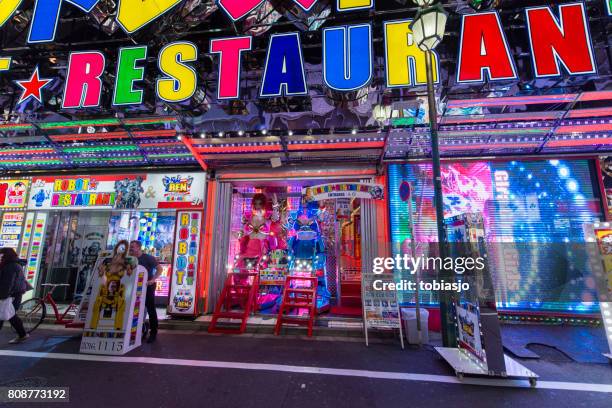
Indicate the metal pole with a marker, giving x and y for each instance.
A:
(416, 276)
(448, 327)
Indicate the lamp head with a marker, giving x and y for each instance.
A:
(428, 27)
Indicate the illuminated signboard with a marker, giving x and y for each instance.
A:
(10, 230)
(183, 295)
(13, 193)
(124, 191)
(33, 245)
(162, 284)
(559, 41)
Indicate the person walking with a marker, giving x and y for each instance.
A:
(154, 271)
(13, 284)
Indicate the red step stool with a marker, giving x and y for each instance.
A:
(241, 290)
(296, 295)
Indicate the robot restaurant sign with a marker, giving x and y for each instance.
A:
(560, 43)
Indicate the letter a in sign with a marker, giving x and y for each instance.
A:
(7, 8)
(135, 14)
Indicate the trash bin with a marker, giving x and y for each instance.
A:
(410, 326)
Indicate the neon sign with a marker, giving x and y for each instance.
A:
(186, 260)
(559, 39)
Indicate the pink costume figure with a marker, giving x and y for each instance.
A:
(254, 236)
(278, 226)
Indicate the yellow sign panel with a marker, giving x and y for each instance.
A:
(7, 8)
(5, 63)
(346, 5)
(135, 14)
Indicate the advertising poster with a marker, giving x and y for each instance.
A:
(115, 312)
(13, 193)
(81, 314)
(125, 191)
(162, 284)
(468, 330)
(380, 307)
(10, 229)
(91, 244)
(186, 260)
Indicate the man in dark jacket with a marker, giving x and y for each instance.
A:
(11, 285)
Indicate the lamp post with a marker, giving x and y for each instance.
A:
(427, 31)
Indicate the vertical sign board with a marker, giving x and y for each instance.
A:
(116, 310)
(380, 307)
(27, 236)
(10, 229)
(183, 292)
(35, 235)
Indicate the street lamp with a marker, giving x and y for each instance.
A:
(427, 31)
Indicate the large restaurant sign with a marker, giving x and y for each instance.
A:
(559, 39)
(125, 191)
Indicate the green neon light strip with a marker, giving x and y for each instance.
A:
(107, 159)
(73, 124)
(30, 162)
(105, 122)
(92, 149)
(163, 156)
(154, 121)
(15, 127)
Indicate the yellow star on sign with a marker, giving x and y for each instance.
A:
(5, 63)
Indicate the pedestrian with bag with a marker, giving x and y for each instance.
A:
(12, 287)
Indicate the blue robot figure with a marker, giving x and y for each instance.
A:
(307, 252)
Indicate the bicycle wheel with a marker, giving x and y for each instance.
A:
(32, 312)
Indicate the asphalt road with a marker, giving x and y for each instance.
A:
(193, 369)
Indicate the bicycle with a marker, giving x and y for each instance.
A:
(34, 311)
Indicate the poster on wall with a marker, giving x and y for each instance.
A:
(183, 295)
(14, 193)
(115, 311)
(10, 229)
(125, 191)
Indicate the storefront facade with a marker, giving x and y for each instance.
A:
(71, 220)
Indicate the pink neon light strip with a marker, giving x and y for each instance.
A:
(595, 96)
(579, 142)
(512, 101)
(238, 149)
(599, 127)
(487, 146)
(501, 118)
(589, 113)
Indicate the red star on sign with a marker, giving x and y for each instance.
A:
(32, 87)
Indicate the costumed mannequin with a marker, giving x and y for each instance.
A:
(254, 235)
(110, 302)
(307, 251)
